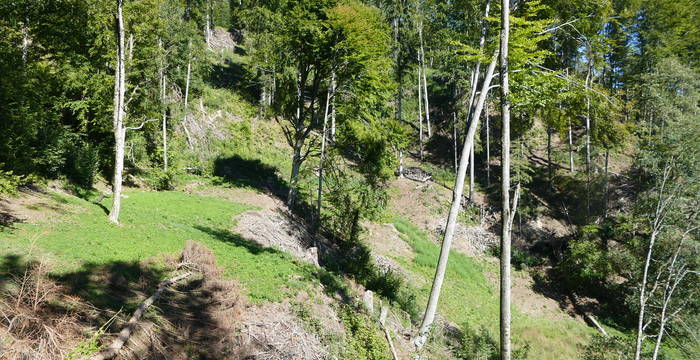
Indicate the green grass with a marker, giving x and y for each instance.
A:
(467, 299)
(161, 222)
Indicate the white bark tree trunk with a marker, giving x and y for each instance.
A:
(420, 116)
(488, 146)
(425, 81)
(118, 119)
(448, 236)
(571, 149)
(657, 223)
(321, 158)
(505, 185)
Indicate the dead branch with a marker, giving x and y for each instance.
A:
(124, 335)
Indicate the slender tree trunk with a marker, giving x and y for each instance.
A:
(333, 109)
(471, 173)
(25, 36)
(477, 66)
(571, 149)
(606, 193)
(505, 185)
(448, 236)
(400, 164)
(588, 139)
(296, 165)
(321, 158)
(420, 116)
(425, 81)
(659, 217)
(454, 138)
(118, 120)
(549, 156)
(488, 146)
(207, 25)
(163, 80)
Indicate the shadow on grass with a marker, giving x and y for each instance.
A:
(241, 172)
(228, 237)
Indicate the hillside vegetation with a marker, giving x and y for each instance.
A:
(349, 179)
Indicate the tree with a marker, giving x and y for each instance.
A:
(118, 118)
(506, 216)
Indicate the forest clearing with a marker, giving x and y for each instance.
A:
(349, 179)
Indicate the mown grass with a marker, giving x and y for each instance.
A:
(468, 299)
(154, 223)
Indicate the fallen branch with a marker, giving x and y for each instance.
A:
(382, 321)
(124, 335)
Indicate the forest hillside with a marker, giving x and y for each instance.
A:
(349, 179)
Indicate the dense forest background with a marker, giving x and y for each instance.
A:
(324, 103)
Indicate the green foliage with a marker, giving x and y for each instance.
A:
(480, 345)
(365, 340)
(160, 180)
(9, 182)
(607, 348)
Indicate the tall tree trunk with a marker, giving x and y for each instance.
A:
(606, 193)
(571, 149)
(321, 158)
(161, 72)
(25, 36)
(488, 146)
(659, 218)
(454, 138)
(471, 174)
(420, 116)
(296, 165)
(588, 138)
(477, 66)
(505, 184)
(549, 156)
(333, 109)
(448, 236)
(118, 119)
(425, 81)
(207, 25)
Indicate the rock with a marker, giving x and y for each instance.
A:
(368, 300)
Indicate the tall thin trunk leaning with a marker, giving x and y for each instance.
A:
(588, 139)
(477, 66)
(118, 119)
(448, 236)
(425, 81)
(505, 185)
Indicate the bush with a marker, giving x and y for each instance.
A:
(364, 338)
(9, 182)
(162, 180)
(479, 345)
(607, 348)
(82, 163)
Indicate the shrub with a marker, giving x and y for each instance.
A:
(363, 336)
(479, 345)
(9, 182)
(82, 163)
(160, 180)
